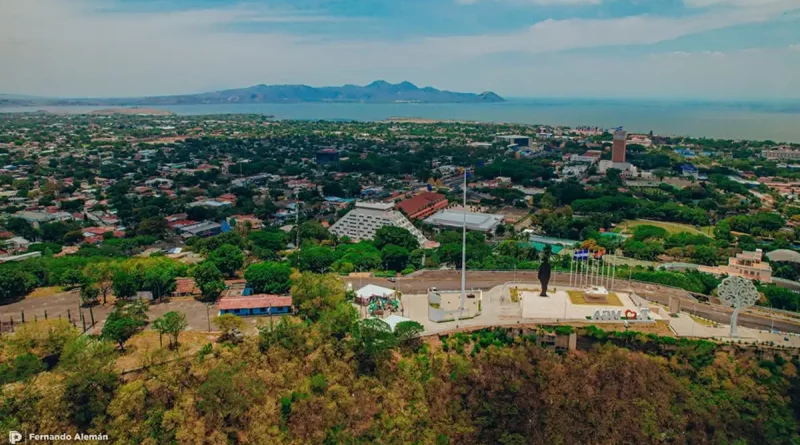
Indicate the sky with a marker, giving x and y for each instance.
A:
(676, 49)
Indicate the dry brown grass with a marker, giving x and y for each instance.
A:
(576, 297)
(40, 292)
(144, 349)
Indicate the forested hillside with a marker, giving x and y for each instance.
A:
(332, 380)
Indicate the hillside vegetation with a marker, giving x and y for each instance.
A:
(333, 380)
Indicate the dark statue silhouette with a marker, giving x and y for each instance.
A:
(544, 270)
(544, 277)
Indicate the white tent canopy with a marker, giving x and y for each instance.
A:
(372, 290)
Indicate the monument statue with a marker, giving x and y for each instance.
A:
(544, 277)
(738, 293)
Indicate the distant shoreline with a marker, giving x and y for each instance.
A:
(137, 111)
(763, 121)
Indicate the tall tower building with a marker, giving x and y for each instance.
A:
(618, 149)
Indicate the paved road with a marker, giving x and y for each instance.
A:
(451, 280)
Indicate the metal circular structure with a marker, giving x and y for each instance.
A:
(738, 293)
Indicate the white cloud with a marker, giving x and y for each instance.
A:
(55, 47)
(795, 47)
(560, 35)
(738, 3)
(539, 2)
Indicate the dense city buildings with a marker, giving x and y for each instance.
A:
(237, 247)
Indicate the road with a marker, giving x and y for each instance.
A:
(419, 282)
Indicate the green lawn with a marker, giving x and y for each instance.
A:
(669, 226)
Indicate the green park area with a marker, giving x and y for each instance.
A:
(670, 227)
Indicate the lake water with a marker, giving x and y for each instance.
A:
(778, 121)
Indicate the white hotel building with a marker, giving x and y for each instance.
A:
(362, 222)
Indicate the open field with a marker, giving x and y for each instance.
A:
(40, 292)
(576, 297)
(668, 226)
(144, 348)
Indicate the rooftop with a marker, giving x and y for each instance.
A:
(374, 290)
(254, 301)
(201, 227)
(419, 202)
(374, 205)
(474, 221)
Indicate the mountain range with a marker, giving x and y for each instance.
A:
(376, 92)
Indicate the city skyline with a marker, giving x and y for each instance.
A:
(709, 49)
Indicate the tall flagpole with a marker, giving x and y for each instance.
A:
(614, 273)
(464, 247)
(586, 270)
(570, 270)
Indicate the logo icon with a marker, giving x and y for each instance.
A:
(14, 437)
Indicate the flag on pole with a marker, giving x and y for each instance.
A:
(581, 255)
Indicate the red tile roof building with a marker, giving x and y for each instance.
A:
(260, 304)
(423, 205)
(185, 287)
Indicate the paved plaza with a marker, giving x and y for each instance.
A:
(557, 305)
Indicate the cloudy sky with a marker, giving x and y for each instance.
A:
(716, 49)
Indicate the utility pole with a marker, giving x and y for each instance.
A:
(771, 320)
(297, 217)
(464, 248)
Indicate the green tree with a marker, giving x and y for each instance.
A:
(372, 341)
(14, 283)
(54, 231)
(408, 334)
(706, 255)
(155, 226)
(269, 240)
(229, 259)
(124, 283)
(73, 237)
(20, 227)
(397, 236)
(269, 277)
(89, 294)
(210, 280)
(71, 277)
(90, 381)
(394, 257)
(317, 259)
(314, 294)
(119, 329)
(172, 324)
(101, 274)
(312, 230)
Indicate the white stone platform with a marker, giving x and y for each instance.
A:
(557, 305)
